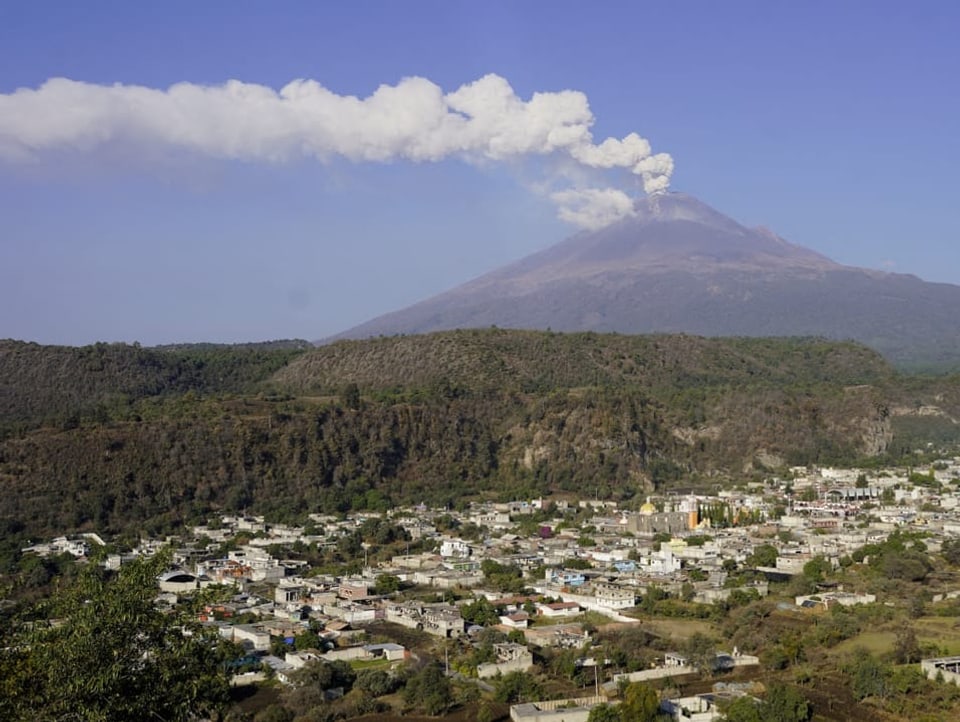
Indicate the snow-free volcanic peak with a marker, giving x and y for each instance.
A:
(677, 265)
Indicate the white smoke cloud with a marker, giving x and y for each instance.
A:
(592, 208)
(412, 120)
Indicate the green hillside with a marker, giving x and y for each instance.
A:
(544, 361)
(64, 384)
(118, 437)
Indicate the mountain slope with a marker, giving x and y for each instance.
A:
(66, 383)
(506, 360)
(437, 418)
(678, 265)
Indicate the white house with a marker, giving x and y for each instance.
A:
(454, 548)
(611, 596)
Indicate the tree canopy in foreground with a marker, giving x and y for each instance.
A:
(101, 650)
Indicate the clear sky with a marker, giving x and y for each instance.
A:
(155, 215)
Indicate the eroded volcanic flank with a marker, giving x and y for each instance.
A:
(679, 265)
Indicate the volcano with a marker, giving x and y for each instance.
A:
(679, 266)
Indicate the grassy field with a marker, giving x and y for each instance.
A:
(680, 628)
(359, 664)
(944, 632)
(876, 642)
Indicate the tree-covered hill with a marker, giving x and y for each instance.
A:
(294, 457)
(56, 384)
(175, 435)
(543, 361)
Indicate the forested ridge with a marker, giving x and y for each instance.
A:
(50, 384)
(544, 361)
(119, 437)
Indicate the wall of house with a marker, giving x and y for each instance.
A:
(949, 667)
(485, 671)
(260, 640)
(557, 710)
(658, 673)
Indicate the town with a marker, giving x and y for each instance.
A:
(496, 592)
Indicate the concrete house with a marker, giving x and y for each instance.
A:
(510, 658)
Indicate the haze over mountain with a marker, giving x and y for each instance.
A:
(677, 265)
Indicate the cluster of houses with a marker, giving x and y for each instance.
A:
(585, 555)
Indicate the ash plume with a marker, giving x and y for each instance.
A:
(413, 120)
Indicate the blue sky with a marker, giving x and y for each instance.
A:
(835, 124)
